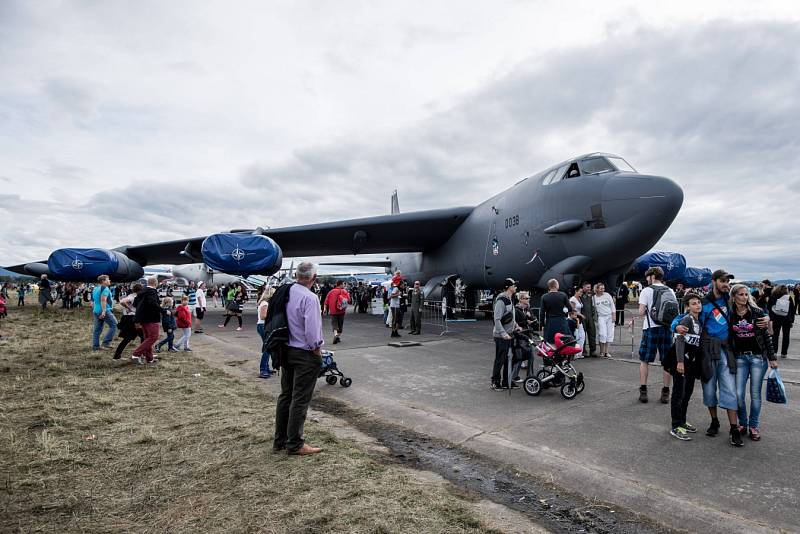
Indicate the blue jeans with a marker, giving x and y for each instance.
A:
(263, 368)
(723, 378)
(169, 340)
(753, 367)
(111, 321)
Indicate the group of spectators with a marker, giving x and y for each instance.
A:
(727, 337)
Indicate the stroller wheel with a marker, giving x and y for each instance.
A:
(569, 391)
(330, 379)
(532, 386)
(580, 386)
(345, 382)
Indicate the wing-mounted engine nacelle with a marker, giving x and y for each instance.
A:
(242, 254)
(86, 264)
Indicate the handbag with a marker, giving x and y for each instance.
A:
(776, 391)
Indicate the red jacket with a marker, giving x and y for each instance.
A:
(183, 316)
(334, 298)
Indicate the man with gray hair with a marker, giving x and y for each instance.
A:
(300, 364)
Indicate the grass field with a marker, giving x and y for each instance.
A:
(92, 444)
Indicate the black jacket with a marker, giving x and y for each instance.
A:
(148, 309)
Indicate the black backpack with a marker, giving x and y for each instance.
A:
(276, 324)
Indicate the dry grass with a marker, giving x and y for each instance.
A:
(90, 444)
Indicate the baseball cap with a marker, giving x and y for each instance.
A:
(721, 273)
(508, 282)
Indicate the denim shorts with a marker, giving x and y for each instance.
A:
(725, 381)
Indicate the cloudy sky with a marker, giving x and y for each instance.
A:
(131, 122)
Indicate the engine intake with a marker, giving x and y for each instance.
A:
(242, 254)
(86, 264)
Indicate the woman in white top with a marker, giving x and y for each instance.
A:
(606, 311)
(263, 305)
(577, 306)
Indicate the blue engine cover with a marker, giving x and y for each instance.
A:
(672, 263)
(81, 264)
(242, 254)
(694, 277)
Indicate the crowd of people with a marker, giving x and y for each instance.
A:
(726, 337)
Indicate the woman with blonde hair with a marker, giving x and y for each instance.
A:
(752, 347)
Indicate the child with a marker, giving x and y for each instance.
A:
(683, 363)
(574, 324)
(184, 322)
(168, 325)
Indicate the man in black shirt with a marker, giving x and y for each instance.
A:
(555, 307)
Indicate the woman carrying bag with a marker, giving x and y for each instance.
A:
(752, 347)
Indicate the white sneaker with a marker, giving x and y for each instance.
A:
(239, 329)
(137, 360)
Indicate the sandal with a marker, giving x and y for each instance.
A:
(754, 434)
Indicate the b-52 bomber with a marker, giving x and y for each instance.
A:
(587, 218)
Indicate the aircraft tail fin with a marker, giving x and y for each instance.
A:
(395, 208)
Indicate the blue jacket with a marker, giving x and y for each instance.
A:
(713, 322)
(168, 319)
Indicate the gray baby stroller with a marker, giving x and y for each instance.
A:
(331, 372)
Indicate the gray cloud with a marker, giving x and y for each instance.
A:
(711, 105)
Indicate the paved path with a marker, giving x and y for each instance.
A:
(604, 444)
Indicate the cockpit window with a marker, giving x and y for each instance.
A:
(621, 164)
(549, 177)
(596, 165)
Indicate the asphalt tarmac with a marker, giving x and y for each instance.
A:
(604, 444)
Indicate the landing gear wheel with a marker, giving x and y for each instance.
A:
(330, 379)
(345, 382)
(532, 386)
(569, 391)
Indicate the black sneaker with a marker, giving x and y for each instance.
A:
(690, 428)
(664, 395)
(736, 437)
(643, 394)
(713, 428)
(497, 387)
(336, 340)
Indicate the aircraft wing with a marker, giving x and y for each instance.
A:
(405, 232)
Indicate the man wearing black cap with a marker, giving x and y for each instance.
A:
(504, 327)
(718, 361)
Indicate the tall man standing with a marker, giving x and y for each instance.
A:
(102, 312)
(415, 298)
(590, 318)
(504, 327)
(655, 337)
(301, 364)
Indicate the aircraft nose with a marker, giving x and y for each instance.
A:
(657, 192)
